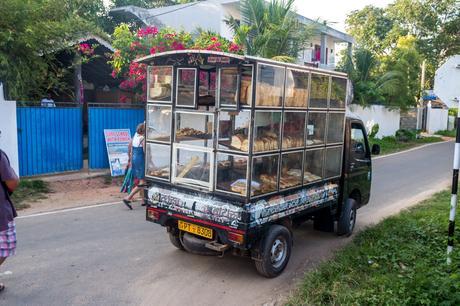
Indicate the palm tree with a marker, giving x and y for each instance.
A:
(270, 30)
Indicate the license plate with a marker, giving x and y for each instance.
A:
(195, 229)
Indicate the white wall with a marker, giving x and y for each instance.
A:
(436, 120)
(388, 120)
(447, 80)
(8, 127)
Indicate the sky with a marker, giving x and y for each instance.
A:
(335, 11)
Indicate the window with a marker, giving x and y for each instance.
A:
(267, 131)
(270, 83)
(228, 87)
(358, 143)
(158, 160)
(313, 166)
(194, 128)
(316, 128)
(246, 86)
(338, 93)
(333, 162)
(234, 130)
(232, 173)
(335, 128)
(264, 174)
(291, 170)
(186, 87)
(319, 90)
(207, 88)
(159, 84)
(293, 130)
(192, 166)
(159, 123)
(296, 92)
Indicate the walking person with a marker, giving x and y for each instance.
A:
(9, 182)
(137, 162)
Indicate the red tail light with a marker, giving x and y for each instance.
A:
(153, 214)
(235, 237)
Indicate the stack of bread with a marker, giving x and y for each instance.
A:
(268, 95)
(310, 177)
(292, 142)
(246, 91)
(296, 97)
(159, 172)
(290, 178)
(240, 142)
(189, 132)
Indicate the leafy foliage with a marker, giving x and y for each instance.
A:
(131, 45)
(270, 30)
(400, 261)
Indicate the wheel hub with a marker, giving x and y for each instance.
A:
(278, 252)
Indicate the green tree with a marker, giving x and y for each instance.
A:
(270, 29)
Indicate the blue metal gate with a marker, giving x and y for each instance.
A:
(49, 139)
(100, 118)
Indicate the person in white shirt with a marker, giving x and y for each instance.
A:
(48, 102)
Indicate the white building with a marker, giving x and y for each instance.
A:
(211, 15)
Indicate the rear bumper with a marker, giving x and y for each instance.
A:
(223, 234)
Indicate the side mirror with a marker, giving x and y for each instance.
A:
(375, 149)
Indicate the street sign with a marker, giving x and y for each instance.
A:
(447, 81)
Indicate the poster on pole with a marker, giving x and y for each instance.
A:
(117, 142)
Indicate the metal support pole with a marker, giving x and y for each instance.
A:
(453, 199)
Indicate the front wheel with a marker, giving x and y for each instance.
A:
(275, 250)
(347, 219)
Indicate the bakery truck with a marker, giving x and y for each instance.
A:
(241, 150)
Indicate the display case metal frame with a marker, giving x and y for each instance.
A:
(252, 107)
(149, 68)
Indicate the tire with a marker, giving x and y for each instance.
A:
(347, 219)
(275, 251)
(176, 241)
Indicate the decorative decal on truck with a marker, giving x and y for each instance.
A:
(210, 208)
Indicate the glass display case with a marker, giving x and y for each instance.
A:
(313, 166)
(333, 161)
(293, 130)
(319, 91)
(246, 85)
(264, 174)
(232, 173)
(316, 128)
(338, 93)
(233, 130)
(194, 128)
(192, 166)
(270, 83)
(335, 128)
(291, 169)
(228, 87)
(159, 80)
(158, 160)
(159, 123)
(266, 131)
(296, 90)
(186, 87)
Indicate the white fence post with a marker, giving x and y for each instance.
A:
(9, 130)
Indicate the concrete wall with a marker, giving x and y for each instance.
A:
(409, 120)
(9, 130)
(388, 120)
(436, 120)
(447, 80)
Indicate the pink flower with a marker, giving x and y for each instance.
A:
(214, 38)
(153, 50)
(234, 47)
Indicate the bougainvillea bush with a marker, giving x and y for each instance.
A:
(131, 45)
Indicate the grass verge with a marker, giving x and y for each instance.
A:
(446, 133)
(400, 261)
(391, 145)
(29, 191)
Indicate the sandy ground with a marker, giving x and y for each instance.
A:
(76, 193)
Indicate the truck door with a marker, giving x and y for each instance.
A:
(359, 167)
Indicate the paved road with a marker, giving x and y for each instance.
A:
(110, 256)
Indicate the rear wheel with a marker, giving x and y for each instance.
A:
(275, 251)
(347, 219)
(175, 240)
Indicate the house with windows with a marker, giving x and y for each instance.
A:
(211, 14)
